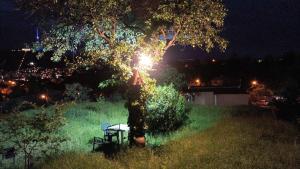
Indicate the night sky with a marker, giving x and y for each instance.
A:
(253, 27)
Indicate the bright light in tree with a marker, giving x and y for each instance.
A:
(145, 62)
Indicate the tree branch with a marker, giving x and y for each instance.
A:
(104, 36)
(164, 34)
(114, 27)
(134, 27)
(172, 41)
(101, 33)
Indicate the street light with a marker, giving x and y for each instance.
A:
(11, 83)
(254, 82)
(31, 63)
(197, 82)
(44, 97)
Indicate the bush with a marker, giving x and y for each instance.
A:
(36, 136)
(287, 111)
(166, 110)
(77, 92)
(287, 108)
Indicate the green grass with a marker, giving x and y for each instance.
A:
(242, 142)
(213, 138)
(200, 118)
(83, 122)
(84, 119)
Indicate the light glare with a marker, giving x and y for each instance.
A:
(145, 62)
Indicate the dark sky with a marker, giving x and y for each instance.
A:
(253, 27)
(261, 27)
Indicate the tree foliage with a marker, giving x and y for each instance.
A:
(259, 92)
(114, 31)
(76, 92)
(167, 75)
(34, 136)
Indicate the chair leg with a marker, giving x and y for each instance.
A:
(94, 144)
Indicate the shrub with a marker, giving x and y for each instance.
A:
(166, 110)
(36, 136)
(286, 111)
(76, 92)
(287, 108)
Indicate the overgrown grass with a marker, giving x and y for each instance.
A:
(84, 120)
(200, 118)
(245, 138)
(242, 142)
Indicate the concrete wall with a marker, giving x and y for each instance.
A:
(209, 98)
(232, 99)
(204, 98)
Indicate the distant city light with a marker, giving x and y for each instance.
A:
(31, 63)
(26, 49)
(213, 60)
(44, 97)
(5, 91)
(254, 82)
(11, 83)
(259, 60)
(197, 82)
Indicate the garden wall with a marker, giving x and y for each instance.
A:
(212, 99)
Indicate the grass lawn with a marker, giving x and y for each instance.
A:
(84, 119)
(239, 142)
(83, 123)
(214, 137)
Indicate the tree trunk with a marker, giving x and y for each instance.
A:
(136, 119)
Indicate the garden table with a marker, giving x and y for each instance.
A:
(120, 128)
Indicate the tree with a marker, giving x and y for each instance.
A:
(259, 92)
(116, 32)
(35, 136)
(167, 75)
(76, 92)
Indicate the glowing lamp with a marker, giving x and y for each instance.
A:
(254, 82)
(145, 62)
(12, 83)
(5, 91)
(198, 82)
(25, 49)
(44, 97)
